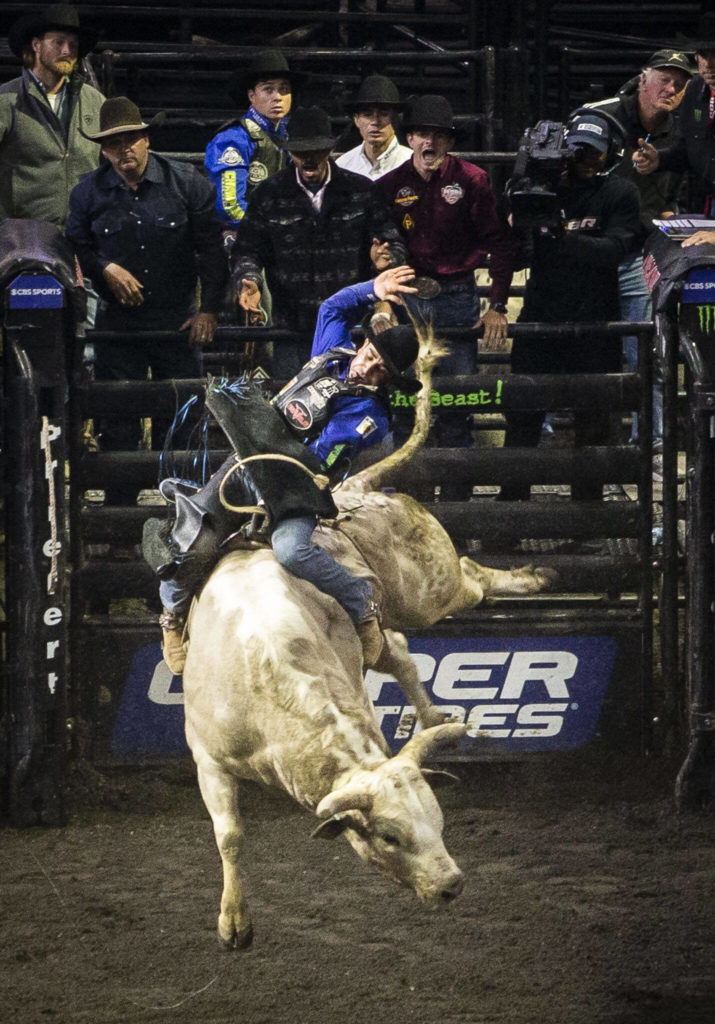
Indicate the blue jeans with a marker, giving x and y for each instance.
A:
(292, 547)
(452, 309)
(636, 305)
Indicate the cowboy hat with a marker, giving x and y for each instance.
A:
(121, 115)
(429, 112)
(398, 348)
(265, 65)
(60, 17)
(375, 90)
(309, 129)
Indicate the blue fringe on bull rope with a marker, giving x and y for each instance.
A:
(192, 464)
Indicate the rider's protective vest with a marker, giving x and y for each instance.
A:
(305, 401)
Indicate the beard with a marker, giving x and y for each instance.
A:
(61, 68)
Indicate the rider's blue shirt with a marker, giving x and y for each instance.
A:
(357, 422)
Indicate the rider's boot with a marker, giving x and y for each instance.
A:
(371, 637)
(173, 647)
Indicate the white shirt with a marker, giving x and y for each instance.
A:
(316, 198)
(356, 161)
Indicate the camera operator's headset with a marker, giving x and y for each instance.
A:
(616, 146)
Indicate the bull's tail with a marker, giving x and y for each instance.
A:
(430, 352)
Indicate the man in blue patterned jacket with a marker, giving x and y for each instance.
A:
(247, 151)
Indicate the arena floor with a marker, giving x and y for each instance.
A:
(588, 901)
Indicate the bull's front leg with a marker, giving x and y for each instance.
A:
(220, 794)
(396, 661)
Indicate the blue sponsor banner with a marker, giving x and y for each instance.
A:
(36, 291)
(699, 286)
(518, 695)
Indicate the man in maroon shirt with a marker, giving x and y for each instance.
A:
(447, 214)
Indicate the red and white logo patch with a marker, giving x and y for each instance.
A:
(299, 414)
(452, 193)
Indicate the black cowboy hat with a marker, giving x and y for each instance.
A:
(309, 129)
(398, 347)
(704, 35)
(375, 90)
(61, 17)
(429, 112)
(264, 65)
(121, 115)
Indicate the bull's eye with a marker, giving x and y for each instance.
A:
(389, 839)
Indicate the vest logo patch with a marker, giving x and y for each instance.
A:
(406, 197)
(299, 414)
(452, 193)
(407, 222)
(257, 172)
(230, 157)
(366, 427)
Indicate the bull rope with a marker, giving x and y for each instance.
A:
(318, 479)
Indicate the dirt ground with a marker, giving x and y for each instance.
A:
(588, 899)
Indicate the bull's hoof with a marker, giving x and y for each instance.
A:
(239, 940)
(546, 577)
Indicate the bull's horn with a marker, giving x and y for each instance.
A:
(421, 745)
(352, 797)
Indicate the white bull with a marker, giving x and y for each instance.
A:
(273, 692)
(273, 684)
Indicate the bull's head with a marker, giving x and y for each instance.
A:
(390, 816)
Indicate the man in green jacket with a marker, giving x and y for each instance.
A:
(43, 117)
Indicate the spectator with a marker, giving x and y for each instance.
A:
(312, 227)
(574, 278)
(43, 115)
(146, 230)
(645, 109)
(373, 111)
(248, 150)
(447, 214)
(693, 148)
(342, 396)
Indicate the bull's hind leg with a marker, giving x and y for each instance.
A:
(479, 581)
(220, 793)
(395, 660)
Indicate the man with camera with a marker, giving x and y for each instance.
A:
(576, 229)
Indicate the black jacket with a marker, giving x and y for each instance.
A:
(574, 278)
(309, 256)
(694, 146)
(658, 191)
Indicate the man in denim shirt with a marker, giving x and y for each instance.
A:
(146, 231)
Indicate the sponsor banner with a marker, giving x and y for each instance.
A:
(699, 286)
(36, 291)
(517, 695)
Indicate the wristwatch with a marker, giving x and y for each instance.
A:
(498, 307)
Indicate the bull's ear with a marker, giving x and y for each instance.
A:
(337, 824)
(438, 777)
